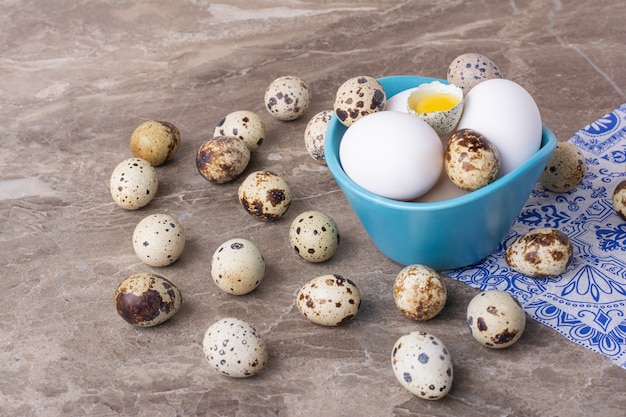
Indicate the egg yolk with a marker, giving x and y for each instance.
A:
(436, 102)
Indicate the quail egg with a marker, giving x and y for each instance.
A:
(358, 97)
(470, 160)
(315, 133)
(329, 300)
(134, 183)
(470, 69)
(222, 159)
(495, 319)
(234, 348)
(146, 299)
(314, 236)
(159, 240)
(265, 195)
(155, 141)
(438, 104)
(419, 292)
(565, 169)
(619, 199)
(245, 125)
(237, 266)
(287, 98)
(541, 252)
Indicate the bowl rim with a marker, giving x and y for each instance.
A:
(332, 141)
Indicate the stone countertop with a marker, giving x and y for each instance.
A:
(77, 77)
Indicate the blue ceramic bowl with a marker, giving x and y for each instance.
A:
(445, 234)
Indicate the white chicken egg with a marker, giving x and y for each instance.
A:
(507, 115)
(392, 154)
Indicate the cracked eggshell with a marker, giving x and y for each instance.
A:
(234, 348)
(357, 97)
(287, 98)
(470, 160)
(265, 195)
(495, 319)
(147, 299)
(419, 292)
(155, 141)
(159, 240)
(619, 199)
(133, 184)
(565, 169)
(470, 69)
(245, 125)
(541, 252)
(315, 133)
(422, 364)
(314, 236)
(237, 266)
(329, 300)
(222, 159)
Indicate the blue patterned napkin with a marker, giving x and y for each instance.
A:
(587, 304)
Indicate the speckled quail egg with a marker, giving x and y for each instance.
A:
(495, 319)
(470, 160)
(315, 133)
(438, 104)
(419, 292)
(287, 98)
(541, 252)
(155, 141)
(146, 299)
(134, 183)
(619, 199)
(237, 266)
(422, 364)
(234, 348)
(358, 97)
(314, 236)
(265, 195)
(245, 125)
(565, 169)
(329, 300)
(470, 69)
(222, 159)
(159, 240)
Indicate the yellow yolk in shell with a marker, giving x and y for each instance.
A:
(435, 102)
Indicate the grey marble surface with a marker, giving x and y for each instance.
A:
(77, 77)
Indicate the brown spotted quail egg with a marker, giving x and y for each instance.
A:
(329, 300)
(146, 299)
(155, 141)
(495, 319)
(222, 159)
(314, 236)
(265, 195)
(470, 160)
(541, 252)
(134, 183)
(422, 364)
(315, 133)
(237, 266)
(287, 98)
(358, 97)
(245, 125)
(159, 240)
(565, 169)
(470, 69)
(438, 104)
(234, 348)
(419, 292)
(619, 199)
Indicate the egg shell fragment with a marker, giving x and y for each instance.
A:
(565, 169)
(443, 121)
(357, 97)
(541, 252)
(470, 69)
(133, 184)
(619, 199)
(422, 364)
(234, 348)
(329, 300)
(155, 141)
(470, 160)
(265, 195)
(495, 319)
(419, 292)
(222, 159)
(314, 236)
(287, 98)
(315, 133)
(146, 299)
(159, 240)
(245, 125)
(237, 266)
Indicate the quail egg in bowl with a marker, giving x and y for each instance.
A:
(445, 234)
